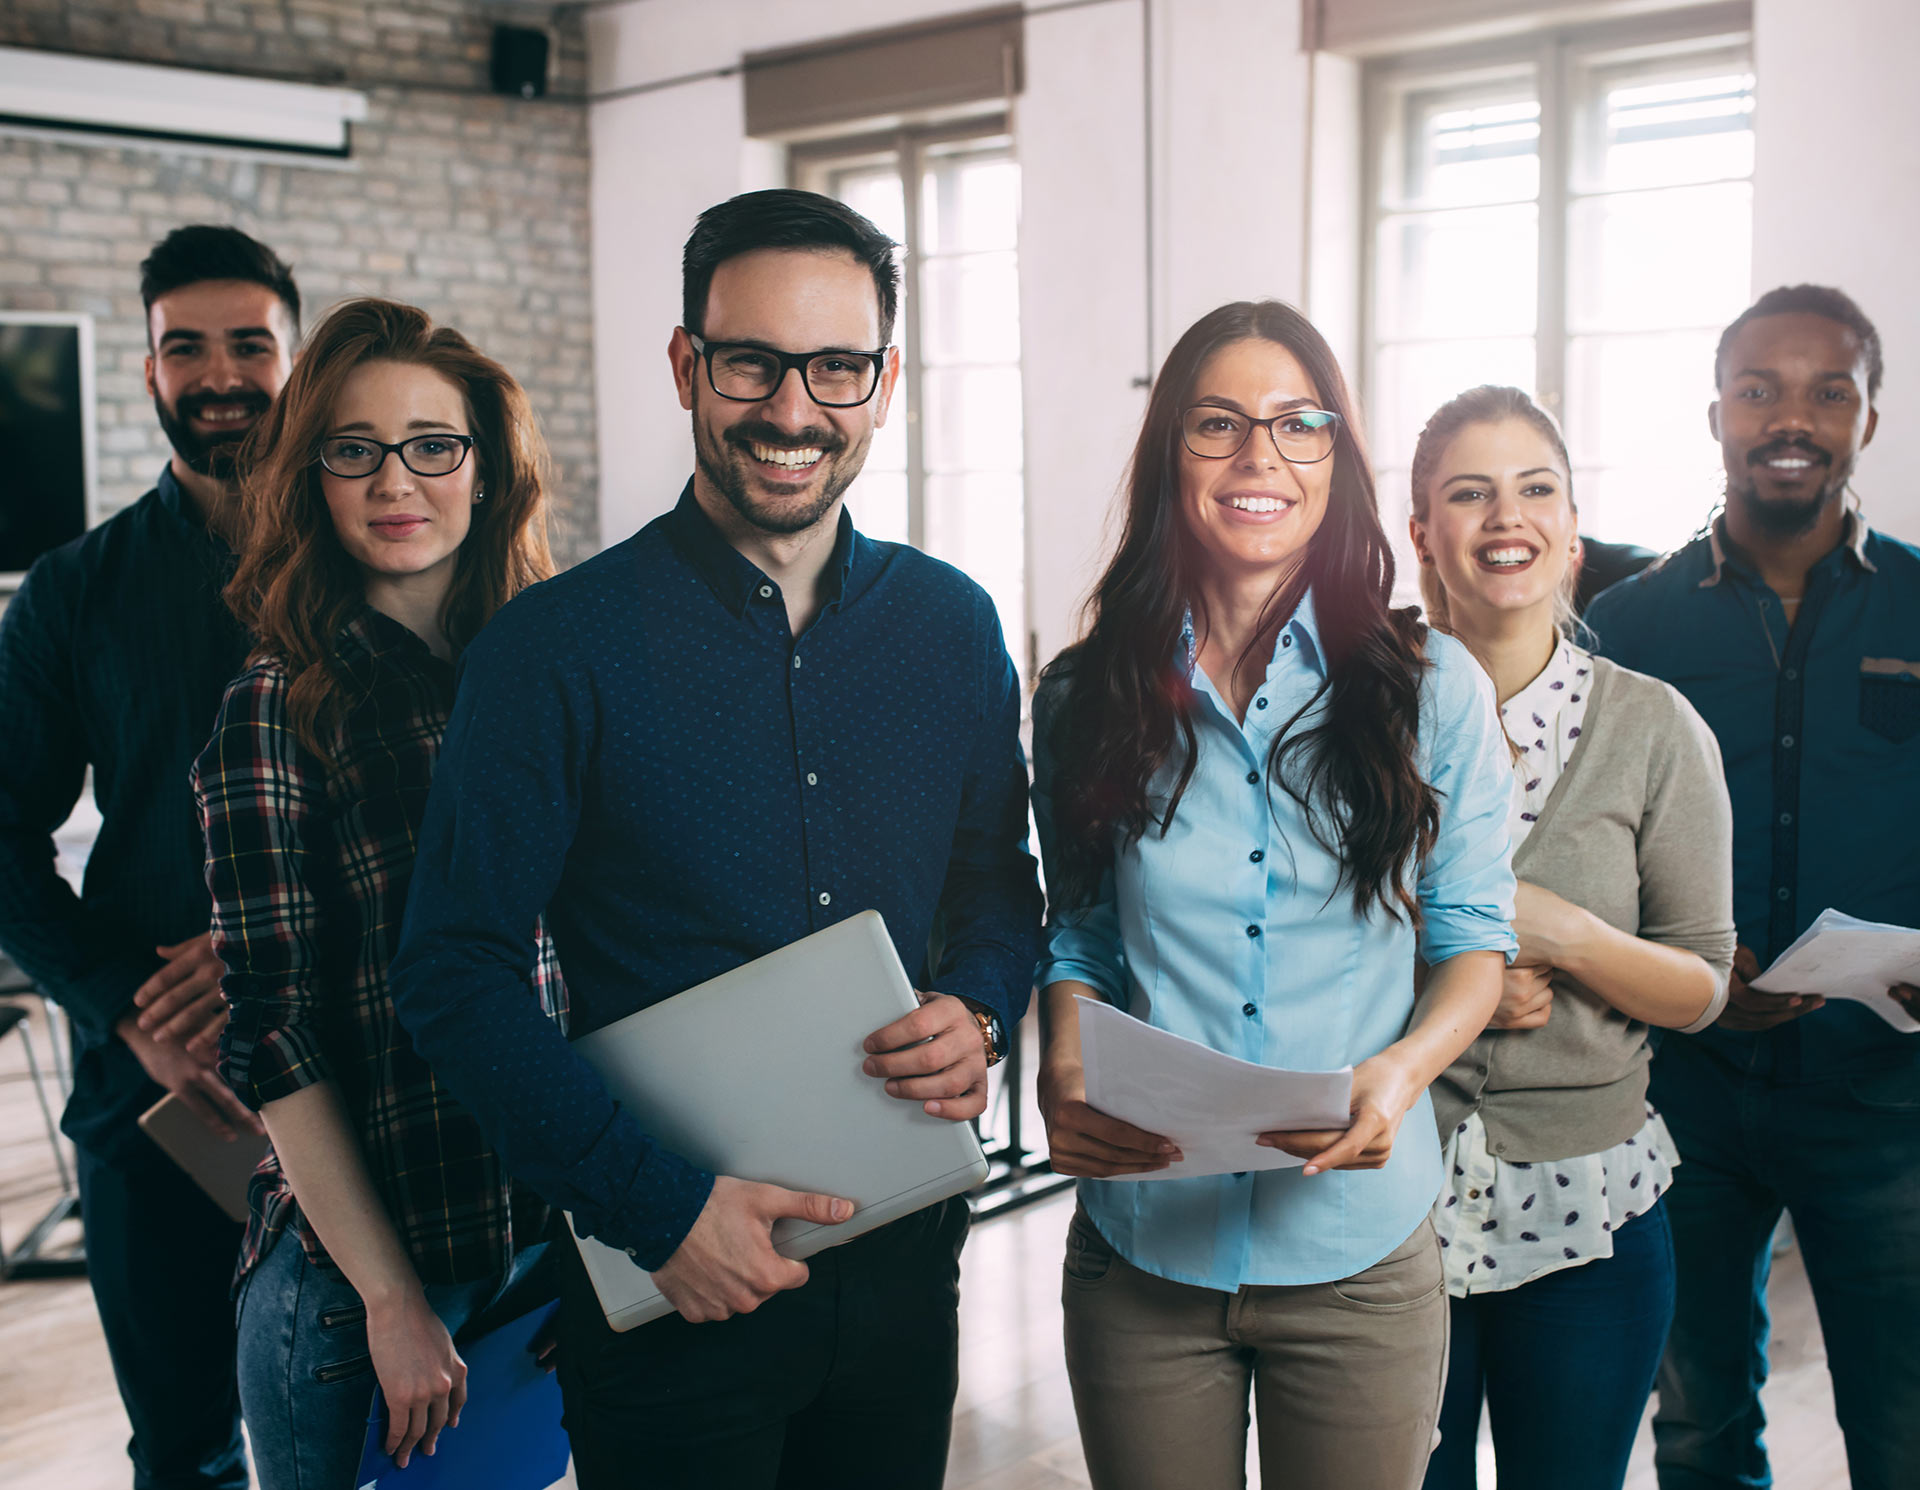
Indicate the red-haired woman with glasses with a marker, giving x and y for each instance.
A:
(396, 498)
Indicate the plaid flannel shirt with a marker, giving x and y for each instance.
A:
(309, 863)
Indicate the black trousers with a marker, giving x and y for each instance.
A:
(845, 1382)
(160, 1256)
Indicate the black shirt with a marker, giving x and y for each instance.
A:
(114, 654)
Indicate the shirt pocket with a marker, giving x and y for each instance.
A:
(1890, 698)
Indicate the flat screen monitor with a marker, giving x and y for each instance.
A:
(47, 432)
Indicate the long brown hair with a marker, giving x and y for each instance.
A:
(1128, 705)
(1490, 403)
(296, 586)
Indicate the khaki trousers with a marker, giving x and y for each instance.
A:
(1346, 1377)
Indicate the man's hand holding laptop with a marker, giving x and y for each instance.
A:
(727, 1265)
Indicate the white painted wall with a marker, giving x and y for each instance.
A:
(1836, 197)
(1083, 281)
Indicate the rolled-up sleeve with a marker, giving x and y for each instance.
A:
(261, 800)
(1082, 942)
(1466, 885)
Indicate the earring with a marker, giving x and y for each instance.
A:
(479, 495)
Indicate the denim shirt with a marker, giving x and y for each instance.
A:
(1819, 727)
(1232, 929)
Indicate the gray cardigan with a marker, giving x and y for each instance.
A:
(1637, 830)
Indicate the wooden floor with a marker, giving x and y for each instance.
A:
(62, 1427)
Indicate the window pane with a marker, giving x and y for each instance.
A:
(972, 309)
(977, 521)
(973, 419)
(1657, 509)
(1668, 129)
(1636, 414)
(878, 501)
(1646, 260)
(970, 200)
(877, 194)
(1465, 273)
(1463, 149)
(1411, 382)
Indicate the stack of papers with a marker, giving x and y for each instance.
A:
(1212, 1105)
(1843, 957)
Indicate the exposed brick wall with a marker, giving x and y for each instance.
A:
(470, 205)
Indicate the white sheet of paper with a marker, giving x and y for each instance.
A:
(1213, 1105)
(1844, 957)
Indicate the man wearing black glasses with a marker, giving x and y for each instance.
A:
(743, 724)
(114, 656)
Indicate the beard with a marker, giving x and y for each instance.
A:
(208, 455)
(1788, 517)
(727, 462)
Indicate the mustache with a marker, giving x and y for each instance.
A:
(1775, 448)
(759, 432)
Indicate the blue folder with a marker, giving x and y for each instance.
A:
(509, 1436)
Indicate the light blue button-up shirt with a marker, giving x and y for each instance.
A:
(1234, 931)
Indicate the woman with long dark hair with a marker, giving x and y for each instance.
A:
(396, 498)
(1558, 1256)
(1260, 791)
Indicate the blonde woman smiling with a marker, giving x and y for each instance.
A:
(1557, 1252)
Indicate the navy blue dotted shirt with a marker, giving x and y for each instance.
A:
(642, 751)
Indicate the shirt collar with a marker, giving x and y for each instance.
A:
(1548, 693)
(734, 577)
(376, 634)
(1721, 549)
(1303, 627)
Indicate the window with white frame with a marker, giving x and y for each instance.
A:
(1573, 217)
(946, 474)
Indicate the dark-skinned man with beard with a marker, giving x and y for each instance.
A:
(114, 655)
(742, 725)
(1794, 629)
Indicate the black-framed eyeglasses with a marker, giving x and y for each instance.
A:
(424, 455)
(1304, 437)
(747, 372)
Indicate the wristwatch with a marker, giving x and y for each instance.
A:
(992, 1033)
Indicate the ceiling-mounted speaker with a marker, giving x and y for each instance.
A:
(519, 61)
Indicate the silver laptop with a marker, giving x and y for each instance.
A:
(756, 1074)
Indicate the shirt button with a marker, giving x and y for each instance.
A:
(632, 1252)
(1792, 673)
(1253, 778)
(766, 592)
(825, 898)
(1783, 893)
(1256, 856)
(1786, 742)
(1473, 1195)
(1259, 703)
(1248, 1010)
(1253, 931)
(1286, 641)
(796, 660)
(812, 780)
(1786, 819)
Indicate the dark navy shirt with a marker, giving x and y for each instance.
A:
(643, 751)
(114, 654)
(1819, 727)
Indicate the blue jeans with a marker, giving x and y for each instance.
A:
(306, 1379)
(1843, 1157)
(1565, 1364)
